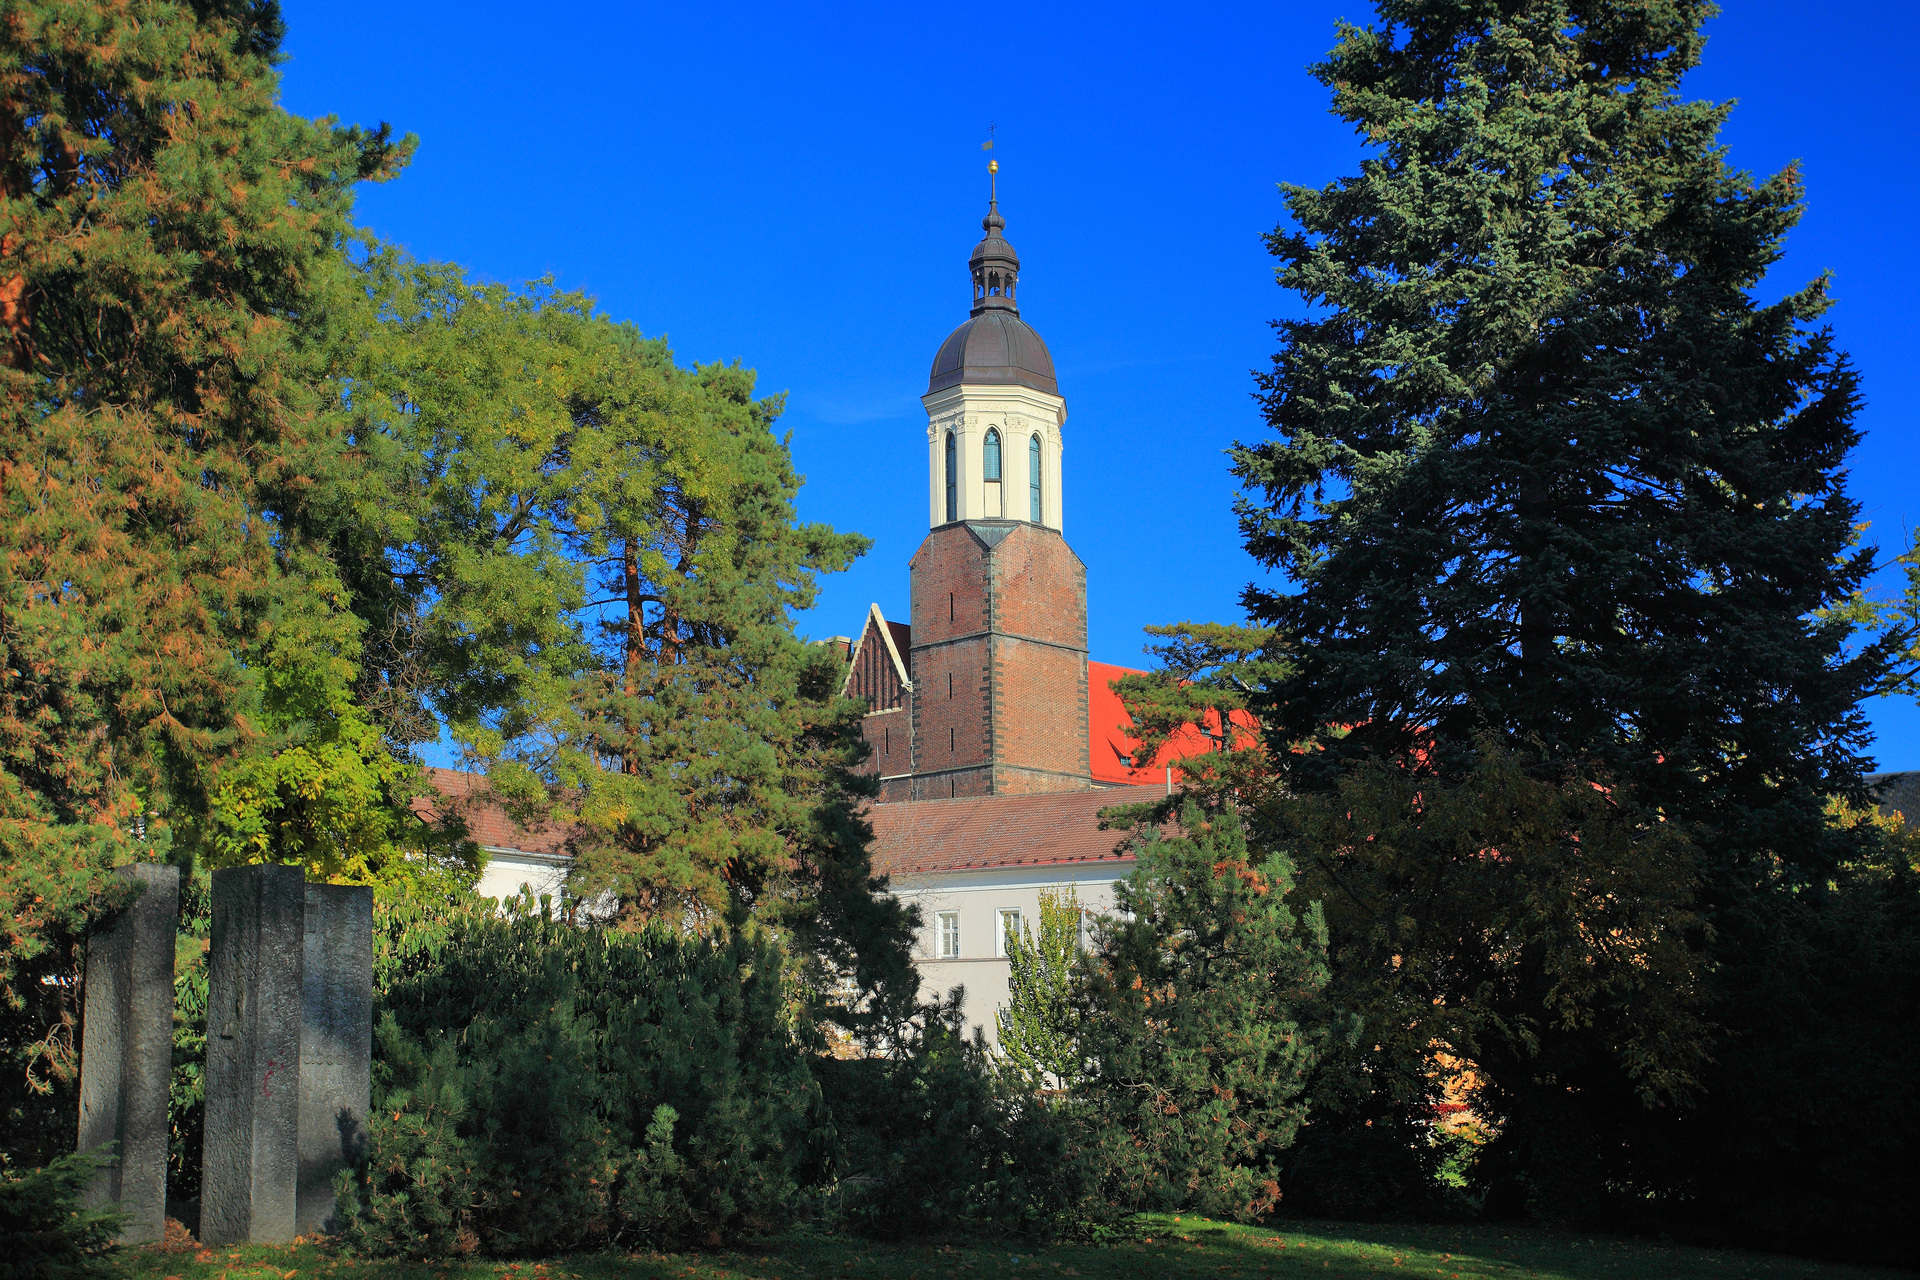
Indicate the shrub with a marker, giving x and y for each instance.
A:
(1807, 1136)
(47, 1233)
(1195, 1033)
(542, 1087)
(939, 1140)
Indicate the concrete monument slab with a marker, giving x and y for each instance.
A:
(336, 1044)
(250, 1165)
(126, 1050)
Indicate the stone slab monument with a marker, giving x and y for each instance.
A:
(250, 1164)
(126, 1050)
(336, 1044)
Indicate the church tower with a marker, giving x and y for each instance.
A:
(999, 629)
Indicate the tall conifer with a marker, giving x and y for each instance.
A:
(171, 278)
(1546, 464)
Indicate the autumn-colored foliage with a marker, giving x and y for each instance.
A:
(171, 258)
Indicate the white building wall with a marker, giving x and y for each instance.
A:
(978, 896)
(508, 871)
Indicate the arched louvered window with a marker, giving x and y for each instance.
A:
(953, 489)
(990, 456)
(1033, 477)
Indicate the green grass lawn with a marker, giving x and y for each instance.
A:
(1171, 1249)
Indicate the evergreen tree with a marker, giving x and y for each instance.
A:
(1545, 465)
(172, 279)
(1200, 1025)
(596, 563)
(1208, 677)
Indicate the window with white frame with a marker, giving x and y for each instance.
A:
(1009, 930)
(947, 927)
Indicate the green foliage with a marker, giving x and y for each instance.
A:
(325, 792)
(171, 277)
(1037, 1032)
(1576, 588)
(186, 1085)
(936, 1140)
(1901, 619)
(1208, 676)
(541, 1086)
(1200, 1024)
(1508, 931)
(596, 565)
(1805, 1140)
(1544, 465)
(45, 1233)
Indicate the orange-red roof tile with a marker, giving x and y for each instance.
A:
(469, 796)
(1114, 753)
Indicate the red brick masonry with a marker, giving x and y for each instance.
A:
(999, 662)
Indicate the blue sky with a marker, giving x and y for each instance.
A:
(798, 187)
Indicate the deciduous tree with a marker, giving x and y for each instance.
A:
(1037, 1032)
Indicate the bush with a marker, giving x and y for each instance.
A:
(940, 1140)
(45, 1233)
(540, 1087)
(1807, 1137)
(1201, 1024)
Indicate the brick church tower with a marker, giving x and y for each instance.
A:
(989, 696)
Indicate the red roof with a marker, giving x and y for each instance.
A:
(1115, 754)
(469, 796)
(1056, 828)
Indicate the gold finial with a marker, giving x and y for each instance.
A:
(993, 166)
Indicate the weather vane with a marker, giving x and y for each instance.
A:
(993, 167)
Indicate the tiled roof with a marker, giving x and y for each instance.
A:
(1899, 793)
(917, 836)
(1114, 754)
(468, 795)
(908, 837)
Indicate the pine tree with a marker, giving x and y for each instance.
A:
(172, 277)
(1545, 464)
(598, 563)
(1200, 1022)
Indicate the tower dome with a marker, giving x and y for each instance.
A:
(994, 411)
(994, 347)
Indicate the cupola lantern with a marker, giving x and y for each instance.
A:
(994, 410)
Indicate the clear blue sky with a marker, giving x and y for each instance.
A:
(798, 186)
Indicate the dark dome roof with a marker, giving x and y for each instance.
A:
(995, 348)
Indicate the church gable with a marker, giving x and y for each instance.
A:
(879, 668)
